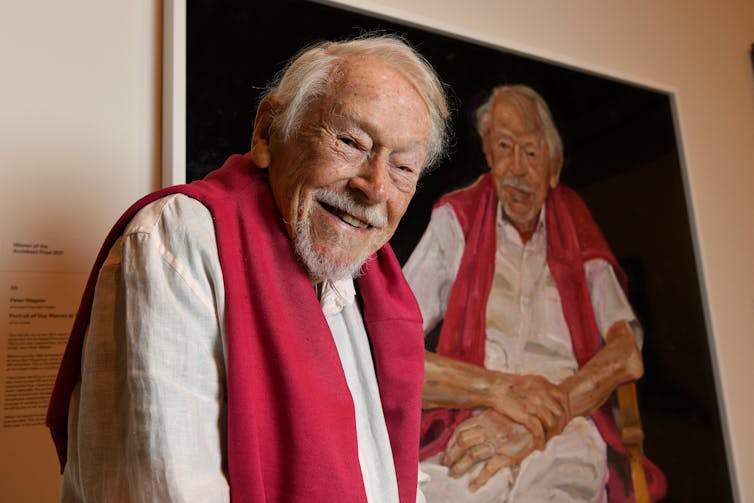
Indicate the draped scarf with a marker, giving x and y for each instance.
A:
(291, 432)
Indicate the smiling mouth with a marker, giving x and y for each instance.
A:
(345, 217)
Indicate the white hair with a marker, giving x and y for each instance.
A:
(307, 76)
(521, 96)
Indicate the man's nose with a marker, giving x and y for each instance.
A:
(372, 179)
(520, 166)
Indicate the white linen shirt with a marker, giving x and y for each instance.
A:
(147, 421)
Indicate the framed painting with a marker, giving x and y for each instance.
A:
(621, 155)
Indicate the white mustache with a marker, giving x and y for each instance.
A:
(517, 184)
(372, 215)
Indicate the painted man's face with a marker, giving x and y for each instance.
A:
(345, 179)
(518, 156)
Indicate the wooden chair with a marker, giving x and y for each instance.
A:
(632, 435)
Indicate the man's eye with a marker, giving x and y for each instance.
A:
(348, 141)
(505, 145)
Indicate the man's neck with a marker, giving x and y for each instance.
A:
(527, 230)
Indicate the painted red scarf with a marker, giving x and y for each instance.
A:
(291, 428)
(572, 238)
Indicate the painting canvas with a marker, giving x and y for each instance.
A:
(621, 154)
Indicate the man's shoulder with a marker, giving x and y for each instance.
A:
(173, 210)
(224, 187)
(471, 202)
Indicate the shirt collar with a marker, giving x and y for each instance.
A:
(334, 295)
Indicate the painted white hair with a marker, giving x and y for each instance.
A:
(307, 76)
(521, 96)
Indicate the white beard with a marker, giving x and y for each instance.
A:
(319, 265)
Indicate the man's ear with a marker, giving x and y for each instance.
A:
(555, 167)
(260, 138)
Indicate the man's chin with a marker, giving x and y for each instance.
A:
(326, 262)
(519, 213)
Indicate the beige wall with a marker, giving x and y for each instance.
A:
(78, 121)
(698, 50)
(78, 143)
(79, 126)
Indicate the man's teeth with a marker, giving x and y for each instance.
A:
(346, 217)
(349, 219)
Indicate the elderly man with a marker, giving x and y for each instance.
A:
(222, 349)
(537, 331)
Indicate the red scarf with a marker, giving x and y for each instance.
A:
(291, 427)
(572, 238)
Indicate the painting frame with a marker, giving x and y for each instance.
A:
(174, 132)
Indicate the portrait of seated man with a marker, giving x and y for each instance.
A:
(537, 332)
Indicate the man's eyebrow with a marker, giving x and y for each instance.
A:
(498, 136)
(532, 138)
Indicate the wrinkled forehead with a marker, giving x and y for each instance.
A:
(372, 88)
(382, 76)
(516, 115)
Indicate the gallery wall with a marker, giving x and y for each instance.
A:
(79, 140)
(79, 137)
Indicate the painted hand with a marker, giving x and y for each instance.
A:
(489, 438)
(532, 401)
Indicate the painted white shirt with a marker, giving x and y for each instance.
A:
(147, 422)
(526, 334)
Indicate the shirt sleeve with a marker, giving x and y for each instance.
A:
(608, 299)
(147, 421)
(432, 268)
